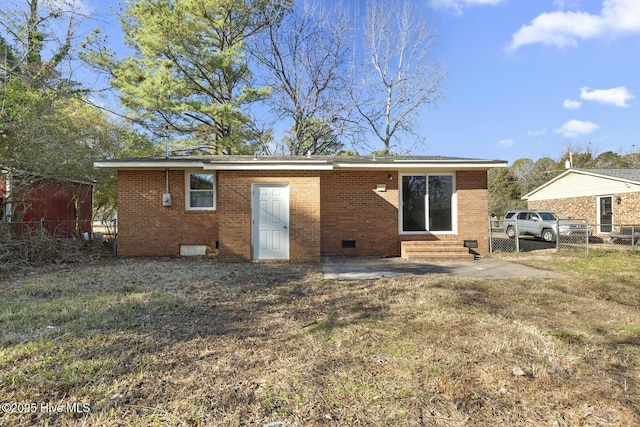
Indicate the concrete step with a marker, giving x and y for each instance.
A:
(441, 257)
(435, 250)
(454, 249)
(422, 243)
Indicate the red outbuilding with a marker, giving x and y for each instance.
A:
(61, 207)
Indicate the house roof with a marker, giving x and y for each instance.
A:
(625, 175)
(631, 175)
(235, 162)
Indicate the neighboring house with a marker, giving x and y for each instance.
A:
(606, 197)
(299, 208)
(30, 201)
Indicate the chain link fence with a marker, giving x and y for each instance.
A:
(565, 235)
(499, 241)
(574, 237)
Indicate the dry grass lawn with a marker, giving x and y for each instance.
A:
(193, 342)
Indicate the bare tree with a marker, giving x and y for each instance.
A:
(306, 56)
(397, 78)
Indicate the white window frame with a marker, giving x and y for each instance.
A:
(454, 203)
(187, 190)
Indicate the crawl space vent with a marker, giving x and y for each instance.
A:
(349, 244)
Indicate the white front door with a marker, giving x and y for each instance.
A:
(270, 221)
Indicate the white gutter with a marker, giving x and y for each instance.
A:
(141, 164)
(230, 165)
(268, 165)
(307, 165)
(398, 165)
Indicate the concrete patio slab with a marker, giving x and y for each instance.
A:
(362, 268)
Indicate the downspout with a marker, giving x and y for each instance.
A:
(166, 156)
(166, 197)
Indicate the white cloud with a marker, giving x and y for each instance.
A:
(456, 6)
(617, 96)
(506, 142)
(539, 132)
(574, 128)
(566, 28)
(70, 6)
(571, 105)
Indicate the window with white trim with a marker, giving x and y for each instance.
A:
(426, 203)
(201, 191)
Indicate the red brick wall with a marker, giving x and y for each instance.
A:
(326, 208)
(352, 209)
(234, 199)
(145, 227)
(473, 208)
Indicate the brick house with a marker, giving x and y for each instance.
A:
(299, 208)
(606, 197)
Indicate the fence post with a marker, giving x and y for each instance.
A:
(517, 234)
(586, 232)
(557, 235)
(490, 235)
(633, 238)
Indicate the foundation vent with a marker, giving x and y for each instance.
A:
(348, 244)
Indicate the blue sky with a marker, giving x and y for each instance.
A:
(526, 78)
(532, 78)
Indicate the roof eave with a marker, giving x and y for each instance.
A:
(611, 177)
(146, 164)
(578, 171)
(262, 164)
(412, 165)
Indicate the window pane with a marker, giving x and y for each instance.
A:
(201, 199)
(201, 181)
(414, 189)
(440, 196)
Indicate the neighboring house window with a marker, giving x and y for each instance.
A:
(427, 203)
(201, 194)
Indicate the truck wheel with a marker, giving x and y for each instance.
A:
(511, 232)
(548, 235)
